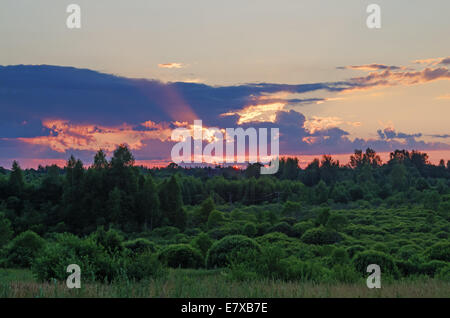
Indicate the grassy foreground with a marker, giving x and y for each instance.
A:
(204, 283)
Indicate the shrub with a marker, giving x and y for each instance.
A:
(166, 232)
(293, 269)
(432, 267)
(354, 249)
(301, 227)
(202, 242)
(140, 245)
(339, 256)
(250, 229)
(444, 274)
(111, 240)
(95, 262)
(320, 235)
(222, 251)
(336, 221)
(439, 251)
(5, 229)
(144, 265)
(181, 255)
(406, 251)
(343, 273)
(23, 249)
(408, 267)
(283, 227)
(216, 218)
(386, 262)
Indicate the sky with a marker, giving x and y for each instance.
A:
(313, 69)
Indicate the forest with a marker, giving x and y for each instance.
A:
(323, 224)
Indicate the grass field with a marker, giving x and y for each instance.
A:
(208, 283)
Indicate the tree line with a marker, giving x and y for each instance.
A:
(118, 193)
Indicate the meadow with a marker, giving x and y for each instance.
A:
(189, 283)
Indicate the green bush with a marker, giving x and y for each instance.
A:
(181, 255)
(433, 267)
(354, 249)
(215, 219)
(439, 251)
(250, 229)
(5, 229)
(111, 240)
(221, 252)
(386, 262)
(293, 269)
(95, 263)
(23, 248)
(343, 273)
(320, 235)
(140, 245)
(144, 265)
(301, 227)
(444, 274)
(202, 242)
(283, 227)
(339, 256)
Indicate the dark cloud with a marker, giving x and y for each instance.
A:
(390, 133)
(31, 94)
(370, 67)
(445, 136)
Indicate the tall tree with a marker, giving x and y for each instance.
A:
(16, 182)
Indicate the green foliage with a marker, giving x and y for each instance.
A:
(440, 251)
(181, 255)
(322, 217)
(96, 263)
(111, 240)
(143, 265)
(320, 235)
(140, 246)
(301, 227)
(205, 210)
(250, 229)
(221, 252)
(336, 221)
(322, 223)
(5, 230)
(340, 256)
(202, 242)
(283, 227)
(216, 218)
(365, 258)
(22, 249)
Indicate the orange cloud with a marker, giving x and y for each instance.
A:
(372, 67)
(443, 97)
(171, 65)
(433, 61)
(65, 135)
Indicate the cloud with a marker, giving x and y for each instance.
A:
(371, 67)
(444, 136)
(389, 78)
(434, 61)
(443, 97)
(171, 65)
(390, 133)
(66, 136)
(52, 112)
